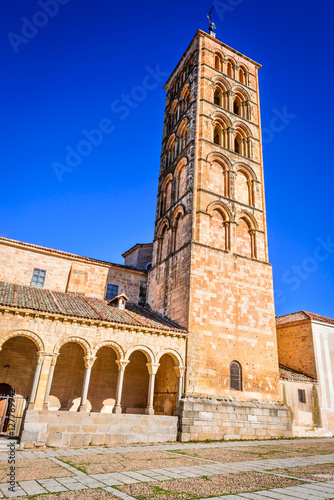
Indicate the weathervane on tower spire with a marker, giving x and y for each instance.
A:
(212, 26)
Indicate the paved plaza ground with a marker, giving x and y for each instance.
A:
(259, 470)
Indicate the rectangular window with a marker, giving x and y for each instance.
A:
(112, 291)
(301, 396)
(38, 278)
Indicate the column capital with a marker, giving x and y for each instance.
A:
(122, 364)
(40, 356)
(152, 368)
(54, 358)
(180, 370)
(89, 361)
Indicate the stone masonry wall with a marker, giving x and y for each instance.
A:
(65, 273)
(202, 419)
(81, 429)
(302, 359)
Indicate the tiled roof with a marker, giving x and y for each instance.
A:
(302, 316)
(79, 306)
(289, 374)
(66, 254)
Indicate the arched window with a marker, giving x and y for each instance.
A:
(185, 97)
(218, 62)
(237, 144)
(242, 141)
(217, 135)
(220, 132)
(237, 106)
(170, 149)
(230, 68)
(235, 376)
(163, 244)
(218, 97)
(243, 76)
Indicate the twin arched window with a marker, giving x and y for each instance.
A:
(235, 376)
(231, 69)
(236, 101)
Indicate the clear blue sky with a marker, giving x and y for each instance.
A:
(63, 77)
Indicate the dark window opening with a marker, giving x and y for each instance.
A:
(38, 278)
(235, 376)
(216, 138)
(301, 395)
(112, 291)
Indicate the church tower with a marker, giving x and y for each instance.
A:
(210, 271)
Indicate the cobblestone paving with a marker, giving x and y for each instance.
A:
(270, 475)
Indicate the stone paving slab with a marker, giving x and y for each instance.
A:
(71, 484)
(18, 491)
(122, 478)
(105, 479)
(139, 477)
(297, 492)
(52, 485)
(119, 494)
(32, 487)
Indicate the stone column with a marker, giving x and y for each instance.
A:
(230, 144)
(227, 235)
(252, 232)
(250, 192)
(40, 359)
(249, 148)
(180, 376)
(49, 384)
(152, 370)
(230, 100)
(122, 364)
(89, 361)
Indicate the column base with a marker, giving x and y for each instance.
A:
(31, 406)
(117, 409)
(83, 409)
(149, 410)
(45, 406)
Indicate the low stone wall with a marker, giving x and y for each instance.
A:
(202, 419)
(66, 428)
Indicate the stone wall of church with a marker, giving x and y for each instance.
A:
(232, 319)
(64, 429)
(202, 419)
(67, 274)
(301, 359)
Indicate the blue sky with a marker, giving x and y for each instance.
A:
(62, 77)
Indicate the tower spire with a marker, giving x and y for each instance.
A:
(212, 26)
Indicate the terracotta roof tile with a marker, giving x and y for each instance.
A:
(286, 373)
(302, 316)
(74, 305)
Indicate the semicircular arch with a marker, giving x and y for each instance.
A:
(23, 333)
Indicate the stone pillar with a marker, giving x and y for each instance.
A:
(249, 148)
(230, 100)
(40, 359)
(230, 144)
(252, 232)
(152, 370)
(250, 192)
(49, 383)
(180, 377)
(227, 235)
(89, 361)
(122, 364)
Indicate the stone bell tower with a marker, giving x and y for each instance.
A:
(210, 270)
